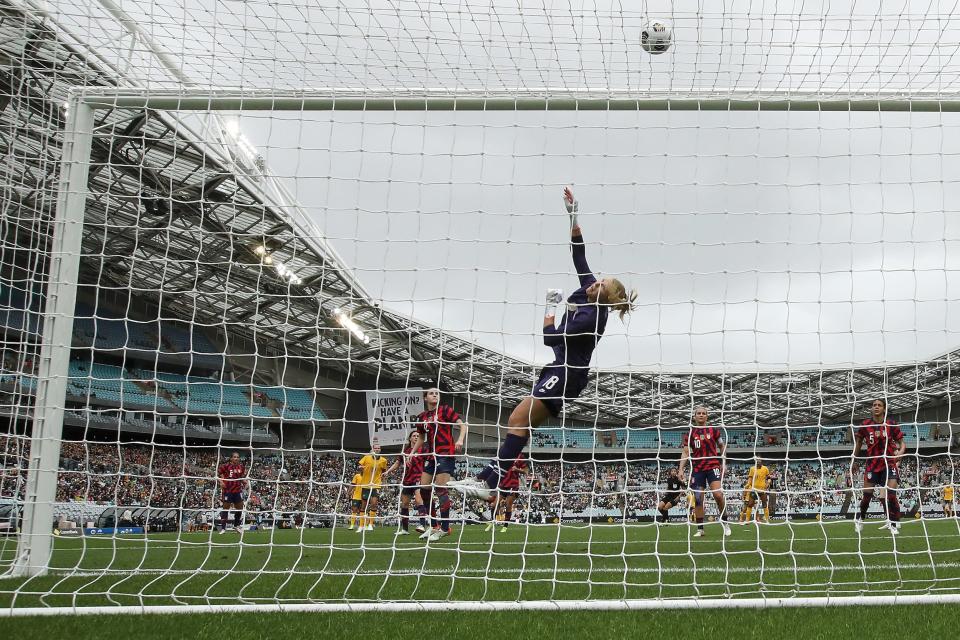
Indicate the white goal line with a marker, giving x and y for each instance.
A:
(485, 544)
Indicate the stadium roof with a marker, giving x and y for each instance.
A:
(182, 223)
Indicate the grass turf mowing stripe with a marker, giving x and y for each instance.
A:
(929, 621)
(603, 562)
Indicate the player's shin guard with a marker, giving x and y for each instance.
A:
(498, 467)
(864, 505)
(404, 518)
(223, 519)
(443, 497)
(663, 515)
(507, 518)
(372, 518)
(749, 514)
(238, 518)
(893, 506)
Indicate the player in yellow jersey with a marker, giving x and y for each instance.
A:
(373, 470)
(356, 499)
(755, 491)
(747, 496)
(948, 501)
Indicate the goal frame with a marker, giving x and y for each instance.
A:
(35, 543)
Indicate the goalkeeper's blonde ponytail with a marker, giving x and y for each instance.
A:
(619, 298)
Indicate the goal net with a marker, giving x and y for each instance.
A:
(238, 246)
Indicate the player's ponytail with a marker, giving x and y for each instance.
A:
(619, 298)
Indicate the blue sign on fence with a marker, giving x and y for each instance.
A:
(109, 531)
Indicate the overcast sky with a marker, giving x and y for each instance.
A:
(766, 240)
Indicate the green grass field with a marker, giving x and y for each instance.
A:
(536, 563)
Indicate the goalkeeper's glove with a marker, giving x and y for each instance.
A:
(554, 297)
(572, 207)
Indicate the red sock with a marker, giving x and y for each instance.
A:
(427, 494)
(893, 506)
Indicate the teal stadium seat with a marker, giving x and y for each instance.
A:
(110, 382)
(200, 395)
(297, 403)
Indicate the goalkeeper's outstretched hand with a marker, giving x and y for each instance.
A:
(554, 296)
(572, 208)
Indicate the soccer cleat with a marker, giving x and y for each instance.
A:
(727, 531)
(503, 529)
(436, 534)
(489, 526)
(221, 532)
(426, 534)
(369, 527)
(894, 530)
(350, 528)
(420, 528)
(698, 534)
(857, 525)
(402, 532)
(885, 525)
(361, 529)
(471, 488)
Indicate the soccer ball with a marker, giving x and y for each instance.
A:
(656, 37)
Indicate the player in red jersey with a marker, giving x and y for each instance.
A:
(705, 447)
(885, 446)
(232, 477)
(413, 462)
(435, 424)
(506, 494)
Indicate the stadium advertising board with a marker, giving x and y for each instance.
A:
(390, 412)
(109, 531)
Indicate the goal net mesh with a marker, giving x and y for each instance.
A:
(283, 284)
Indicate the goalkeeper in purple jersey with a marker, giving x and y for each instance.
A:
(573, 342)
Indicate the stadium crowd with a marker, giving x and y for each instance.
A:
(136, 474)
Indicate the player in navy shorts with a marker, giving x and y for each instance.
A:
(435, 425)
(573, 342)
(885, 447)
(705, 447)
(232, 476)
(413, 462)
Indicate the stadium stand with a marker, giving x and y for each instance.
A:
(312, 482)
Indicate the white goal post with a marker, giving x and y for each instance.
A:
(36, 540)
